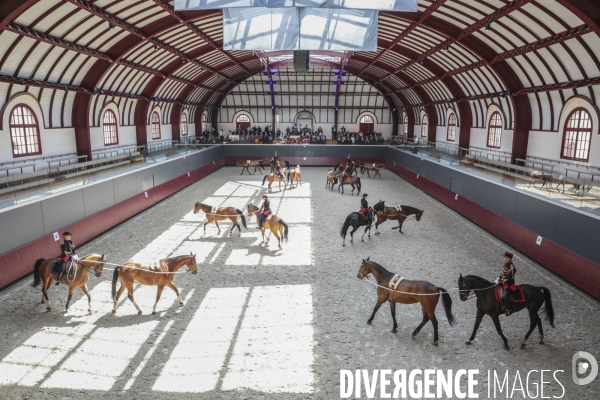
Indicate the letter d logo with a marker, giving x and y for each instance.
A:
(581, 367)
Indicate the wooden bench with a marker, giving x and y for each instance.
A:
(137, 156)
(26, 185)
(82, 168)
(492, 168)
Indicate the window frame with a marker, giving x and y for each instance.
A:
(12, 126)
(578, 130)
(424, 126)
(240, 116)
(109, 124)
(204, 123)
(372, 121)
(405, 123)
(154, 123)
(494, 135)
(451, 128)
(183, 125)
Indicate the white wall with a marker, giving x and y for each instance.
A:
(126, 134)
(165, 133)
(53, 141)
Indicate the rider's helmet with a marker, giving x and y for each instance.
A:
(365, 195)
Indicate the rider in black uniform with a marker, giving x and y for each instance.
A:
(365, 209)
(67, 250)
(507, 278)
(264, 212)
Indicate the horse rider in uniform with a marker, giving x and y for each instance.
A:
(507, 278)
(365, 210)
(348, 169)
(278, 170)
(264, 211)
(67, 251)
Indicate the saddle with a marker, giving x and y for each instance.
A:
(395, 281)
(364, 213)
(69, 267)
(517, 295)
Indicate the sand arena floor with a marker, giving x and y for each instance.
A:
(259, 323)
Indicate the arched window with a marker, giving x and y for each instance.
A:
(366, 124)
(184, 125)
(366, 120)
(494, 130)
(109, 126)
(242, 122)
(577, 136)
(203, 122)
(405, 127)
(24, 132)
(424, 126)
(155, 126)
(451, 136)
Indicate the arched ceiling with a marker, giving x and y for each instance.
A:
(476, 52)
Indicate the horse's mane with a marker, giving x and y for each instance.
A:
(479, 279)
(409, 208)
(176, 258)
(376, 264)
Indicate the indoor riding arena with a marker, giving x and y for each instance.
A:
(299, 199)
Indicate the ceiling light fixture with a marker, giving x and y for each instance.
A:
(111, 26)
(488, 27)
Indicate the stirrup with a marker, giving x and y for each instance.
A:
(508, 312)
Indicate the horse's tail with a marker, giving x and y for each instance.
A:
(36, 272)
(447, 305)
(264, 179)
(335, 167)
(549, 308)
(362, 167)
(285, 229)
(241, 214)
(345, 227)
(287, 164)
(114, 283)
(358, 184)
(288, 176)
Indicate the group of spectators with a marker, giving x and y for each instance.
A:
(345, 137)
(268, 135)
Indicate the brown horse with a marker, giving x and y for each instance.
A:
(352, 181)
(42, 273)
(332, 179)
(295, 174)
(131, 272)
(395, 214)
(257, 164)
(274, 223)
(282, 162)
(372, 167)
(407, 292)
(341, 167)
(219, 214)
(274, 178)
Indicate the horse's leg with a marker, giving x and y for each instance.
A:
(352, 233)
(130, 297)
(380, 177)
(362, 238)
(423, 322)
(532, 323)
(380, 300)
(400, 222)
(119, 293)
(233, 225)
(159, 290)
(279, 239)
(499, 330)
(206, 223)
(45, 286)
(539, 324)
(71, 291)
(84, 289)
(478, 319)
(434, 322)
(393, 309)
(217, 224)
(179, 299)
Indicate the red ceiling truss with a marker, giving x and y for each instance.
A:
(75, 56)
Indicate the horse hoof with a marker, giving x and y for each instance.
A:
(43, 301)
(377, 233)
(468, 342)
(362, 240)
(506, 347)
(369, 322)
(153, 312)
(523, 345)
(180, 304)
(139, 313)
(541, 342)
(344, 244)
(394, 330)
(48, 309)
(114, 311)
(435, 343)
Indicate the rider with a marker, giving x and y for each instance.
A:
(264, 211)
(507, 278)
(278, 170)
(365, 210)
(348, 168)
(67, 251)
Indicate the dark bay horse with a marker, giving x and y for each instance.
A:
(220, 214)
(257, 164)
(341, 167)
(398, 213)
(42, 274)
(372, 167)
(535, 297)
(355, 220)
(352, 181)
(131, 273)
(407, 292)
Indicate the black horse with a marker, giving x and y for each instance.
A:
(535, 296)
(355, 220)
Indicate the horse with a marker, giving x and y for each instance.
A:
(355, 220)
(535, 296)
(219, 214)
(282, 162)
(341, 167)
(274, 223)
(274, 178)
(407, 292)
(398, 213)
(373, 167)
(332, 179)
(295, 174)
(352, 181)
(42, 272)
(132, 272)
(257, 164)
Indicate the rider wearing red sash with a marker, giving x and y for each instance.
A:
(365, 210)
(67, 250)
(278, 170)
(264, 211)
(507, 278)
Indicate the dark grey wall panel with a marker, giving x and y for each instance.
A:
(536, 215)
(98, 197)
(62, 210)
(579, 233)
(473, 188)
(125, 186)
(501, 201)
(28, 219)
(249, 150)
(456, 185)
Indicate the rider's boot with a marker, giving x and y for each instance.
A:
(508, 304)
(60, 274)
(259, 225)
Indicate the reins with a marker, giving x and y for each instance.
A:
(427, 294)
(140, 269)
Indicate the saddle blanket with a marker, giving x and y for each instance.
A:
(398, 208)
(57, 267)
(395, 281)
(213, 210)
(517, 295)
(247, 161)
(373, 164)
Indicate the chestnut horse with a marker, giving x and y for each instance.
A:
(274, 178)
(372, 167)
(332, 179)
(393, 214)
(257, 164)
(42, 273)
(407, 292)
(274, 223)
(131, 272)
(219, 214)
(295, 174)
